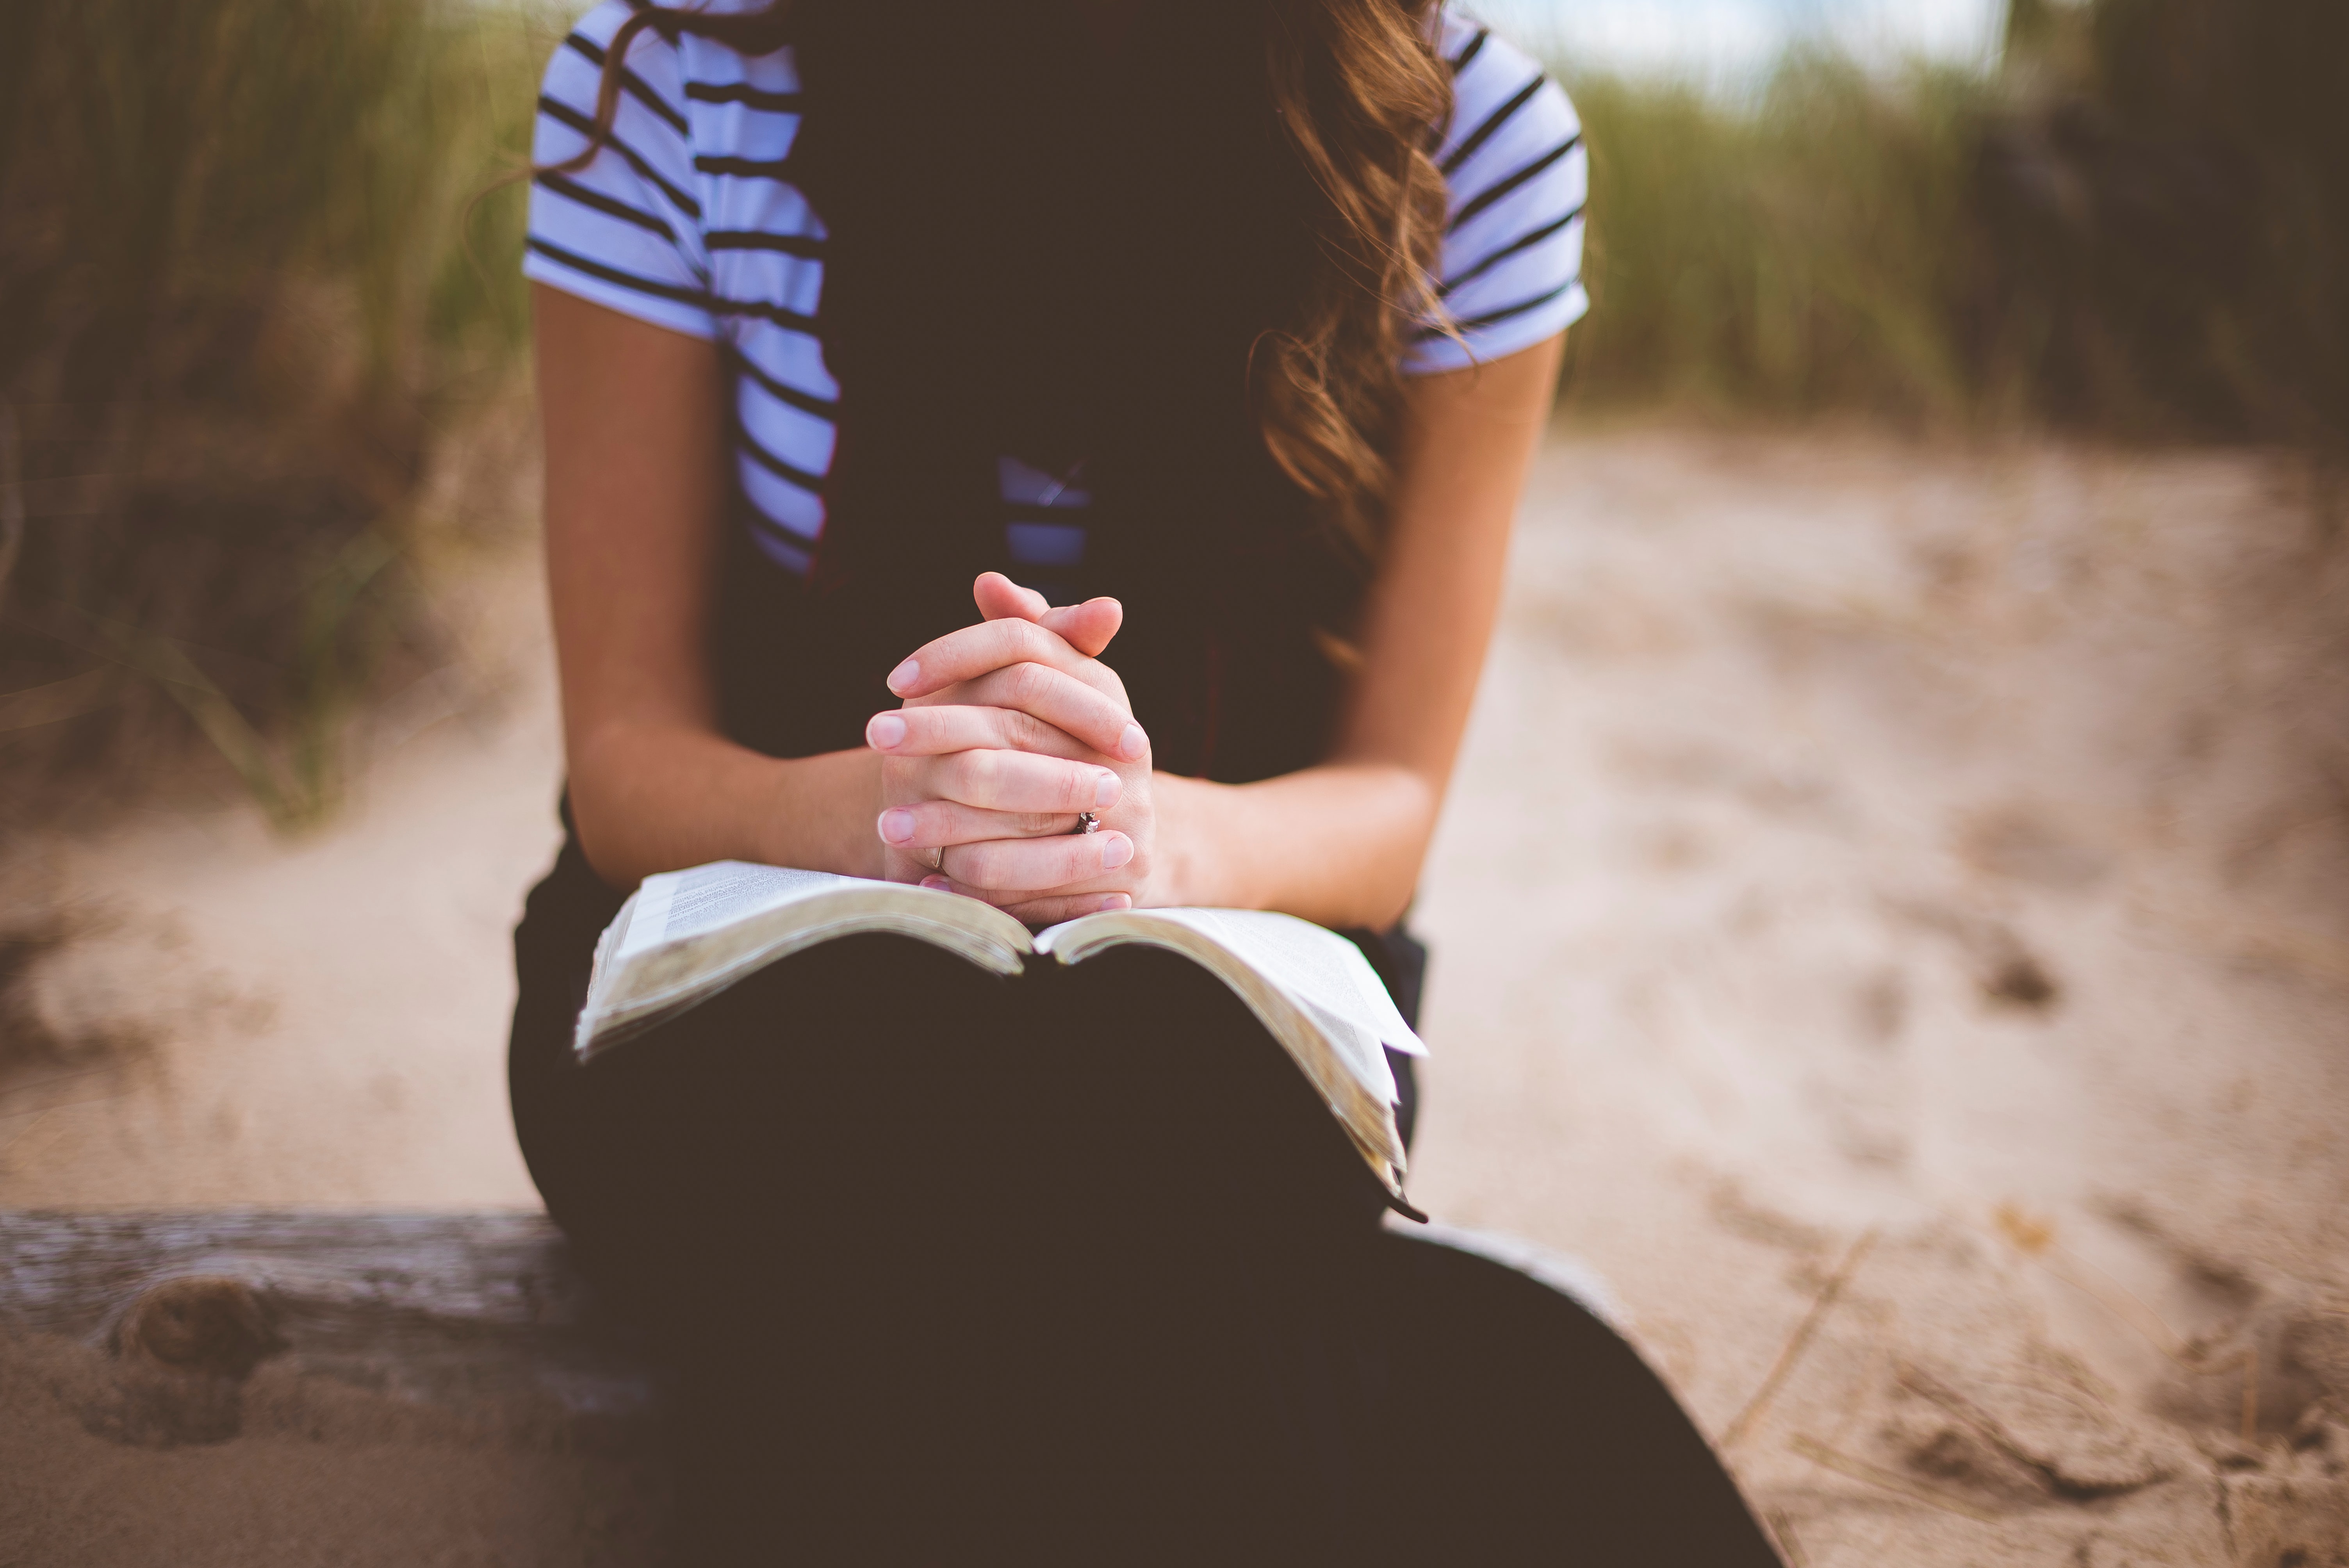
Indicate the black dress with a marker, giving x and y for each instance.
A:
(950, 1270)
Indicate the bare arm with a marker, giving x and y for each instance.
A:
(1342, 844)
(635, 423)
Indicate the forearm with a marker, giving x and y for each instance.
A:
(1341, 844)
(656, 798)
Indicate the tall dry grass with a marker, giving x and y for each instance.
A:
(1806, 250)
(2169, 197)
(245, 306)
(243, 299)
(2137, 223)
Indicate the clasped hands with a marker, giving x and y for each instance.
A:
(1010, 729)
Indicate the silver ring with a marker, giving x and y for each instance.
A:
(1086, 823)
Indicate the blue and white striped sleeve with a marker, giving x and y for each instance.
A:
(625, 230)
(1512, 157)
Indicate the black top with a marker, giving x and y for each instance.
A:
(1071, 277)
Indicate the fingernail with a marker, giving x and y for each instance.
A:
(1133, 743)
(1115, 901)
(1117, 852)
(896, 824)
(887, 730)
(905, 675)
(1105, 790)
(937, 885)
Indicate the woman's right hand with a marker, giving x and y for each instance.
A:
(1012, 731)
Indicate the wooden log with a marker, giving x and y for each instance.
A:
(246, 1387)
(243, 1388)
(444, 1309)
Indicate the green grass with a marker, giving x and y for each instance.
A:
(243, 296)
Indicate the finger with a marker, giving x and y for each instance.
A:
(933, 731)
(973, 650)
(1025, 865)
(999, 598)
(1098, 718)
(1036, 908)
(1087, 627)
(1000, 780)
(1052, 910)
(1023, 708)
(920, 826)
(1027, 707)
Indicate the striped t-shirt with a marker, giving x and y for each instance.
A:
(688, 219)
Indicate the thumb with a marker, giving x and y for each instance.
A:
(1000, 599)
(1087, 627)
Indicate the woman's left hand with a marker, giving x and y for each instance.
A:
(996, 687)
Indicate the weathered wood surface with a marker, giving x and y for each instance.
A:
(238, 1388)
(447, 1309)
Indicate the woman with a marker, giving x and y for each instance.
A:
(1202, 348)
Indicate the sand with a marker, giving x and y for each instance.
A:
(1890, 922)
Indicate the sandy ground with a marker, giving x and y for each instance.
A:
(1891, 921)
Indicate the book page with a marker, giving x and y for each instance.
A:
(683, 936)
(1325, 974)
(1316, 967)
(1312, 989)
(674, 906)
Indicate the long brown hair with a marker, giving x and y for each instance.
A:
(1361, 93)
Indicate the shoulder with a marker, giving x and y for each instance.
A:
(1517, 177)
(576, 69)
(703, 93)
(668, 69)
(615, 220)
(1506, 109)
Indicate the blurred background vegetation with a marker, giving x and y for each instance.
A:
(261, 334)
(250, 312)
(2137, 224)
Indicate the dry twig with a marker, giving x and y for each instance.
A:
(1792, 1352)
(2036, 1241)
(1818, 1453)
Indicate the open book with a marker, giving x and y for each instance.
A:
(684, 936)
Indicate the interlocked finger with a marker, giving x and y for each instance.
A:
(995, 779)
(1041, 905)
(1053, 714)
(922, 828)
(1051, 910)
(993, 866)
(974, 651)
